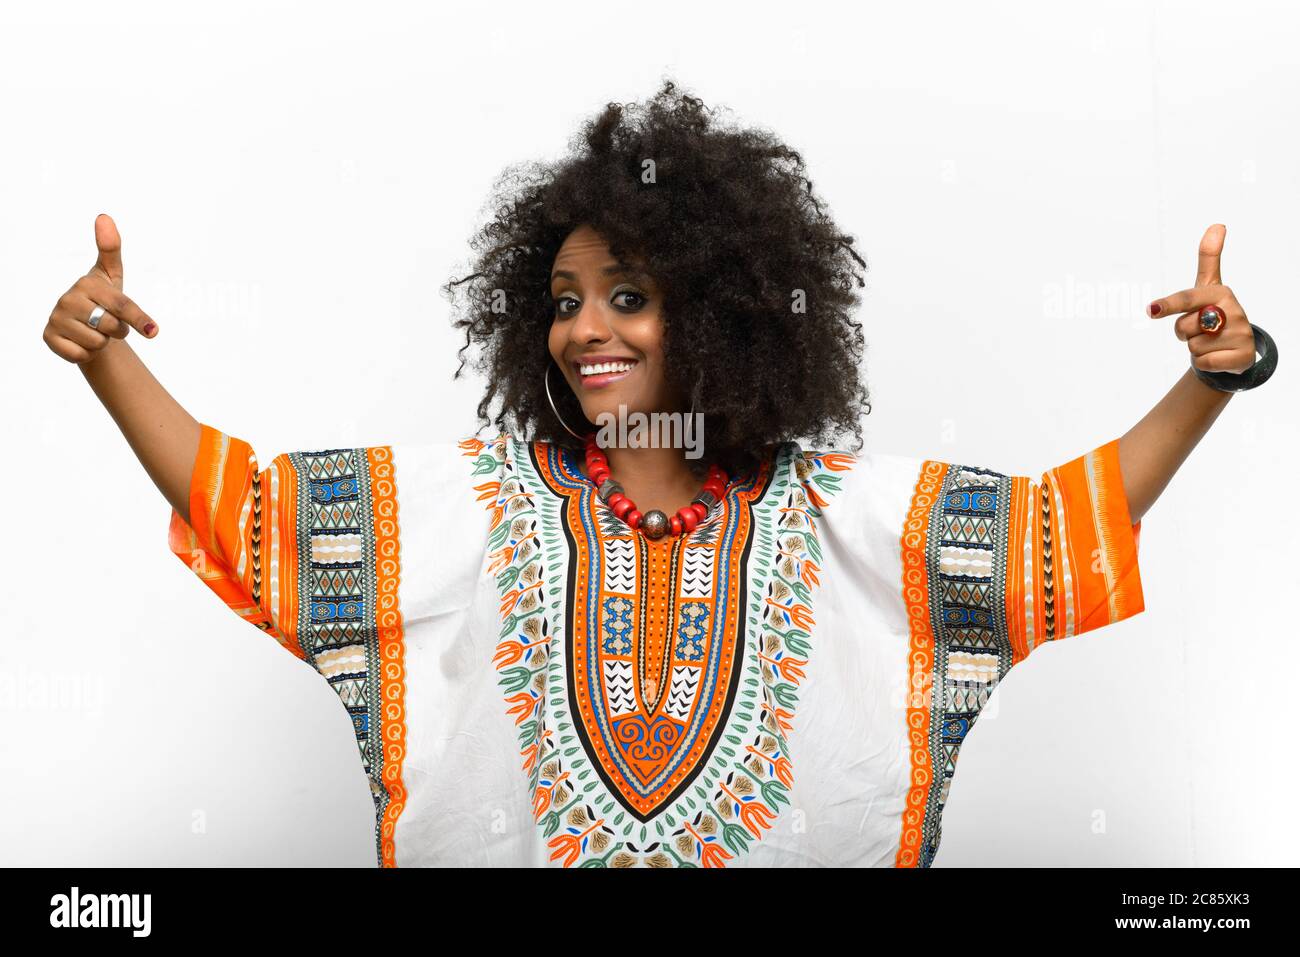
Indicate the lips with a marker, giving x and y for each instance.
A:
(599, 379)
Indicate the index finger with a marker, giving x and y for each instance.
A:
(1186, 300)
(103, 293)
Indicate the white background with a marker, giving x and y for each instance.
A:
(293, 184)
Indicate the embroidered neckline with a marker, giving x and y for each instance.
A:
(688, 778)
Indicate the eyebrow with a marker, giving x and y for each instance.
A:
(615, 270)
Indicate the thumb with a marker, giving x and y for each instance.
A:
(1209, 256)
(109, 243)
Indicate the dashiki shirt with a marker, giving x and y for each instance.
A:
(533, 684)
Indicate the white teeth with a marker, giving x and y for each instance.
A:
(604, 367)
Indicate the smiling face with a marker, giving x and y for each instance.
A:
(607, 332)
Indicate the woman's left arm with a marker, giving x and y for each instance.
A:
(1152, 451)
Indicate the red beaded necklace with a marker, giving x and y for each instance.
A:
(654, 524)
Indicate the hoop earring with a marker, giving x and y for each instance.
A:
(546, 381)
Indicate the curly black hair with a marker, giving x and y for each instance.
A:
(731, 231)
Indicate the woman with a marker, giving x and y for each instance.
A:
(560, 649)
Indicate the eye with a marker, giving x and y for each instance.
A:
(638, 299)
(559, 305)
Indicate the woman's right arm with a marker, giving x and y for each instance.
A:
(164, 437)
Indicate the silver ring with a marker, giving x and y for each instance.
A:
(96, 315)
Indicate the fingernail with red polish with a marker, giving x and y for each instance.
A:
(1154, 308)
(149, 327)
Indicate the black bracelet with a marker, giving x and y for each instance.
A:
(1256, 375)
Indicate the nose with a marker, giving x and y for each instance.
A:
(591, 323)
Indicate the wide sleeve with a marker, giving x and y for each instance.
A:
(362, 562)
(1022, 562)
(938, 578)
(286, 547)
(335, 553)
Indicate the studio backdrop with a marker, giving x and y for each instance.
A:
(294, 183)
